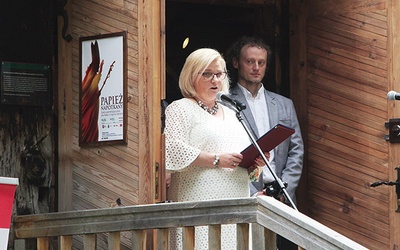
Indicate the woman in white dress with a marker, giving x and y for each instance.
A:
(203, 143)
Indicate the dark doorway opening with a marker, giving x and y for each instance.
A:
(217, 26)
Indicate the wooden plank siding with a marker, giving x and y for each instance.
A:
(99, 172)
(96, 176)
(347, 83)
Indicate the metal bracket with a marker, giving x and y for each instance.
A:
(394, 130)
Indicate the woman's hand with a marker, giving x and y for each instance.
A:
(259, 161)
(229, 160)
(256, 169)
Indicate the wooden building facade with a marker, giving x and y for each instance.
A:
(342, 59)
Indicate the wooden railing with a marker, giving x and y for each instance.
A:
(267, 216)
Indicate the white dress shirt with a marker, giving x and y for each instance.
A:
(259, 110)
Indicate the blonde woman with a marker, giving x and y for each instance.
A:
(203, 143)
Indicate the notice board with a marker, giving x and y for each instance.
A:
(25, 84)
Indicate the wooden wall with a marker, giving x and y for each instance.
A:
(102, 174)
(96, 176)
(347, 59)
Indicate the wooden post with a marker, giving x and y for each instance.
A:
(188, 238)
(270, 239)
(89, 241)
(114, 240)
(258, 237)
(139, 239)
(66, 242)
(242, 234)
(43, 243)
(149, 43)
(214, 236)
(65, 121)
(163, 239)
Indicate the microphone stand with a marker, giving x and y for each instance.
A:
(238, 108)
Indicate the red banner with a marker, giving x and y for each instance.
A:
(7, 192)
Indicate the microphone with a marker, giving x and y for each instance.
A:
(393, 95)
(227, 99)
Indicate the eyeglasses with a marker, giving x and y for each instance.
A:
(208, 76)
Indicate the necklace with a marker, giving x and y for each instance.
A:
(212, 111)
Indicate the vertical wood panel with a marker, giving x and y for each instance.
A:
(65, 122)
(298, 86)
(394, 112)
(149, 24)
(149, 89)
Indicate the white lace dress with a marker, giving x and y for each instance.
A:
(190, 129)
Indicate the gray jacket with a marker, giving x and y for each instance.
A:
(289, 154)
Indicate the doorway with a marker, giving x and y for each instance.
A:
(217, 26)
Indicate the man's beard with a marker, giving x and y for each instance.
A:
(249, 81)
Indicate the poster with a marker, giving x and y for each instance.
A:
(102, 89)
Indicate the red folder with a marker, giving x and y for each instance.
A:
(267, 142)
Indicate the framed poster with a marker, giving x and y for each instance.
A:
(103, 90)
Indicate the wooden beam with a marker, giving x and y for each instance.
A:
(149, 19)
(393, 112)
(298, 85)
(65, 117)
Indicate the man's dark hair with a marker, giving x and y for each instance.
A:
(234, 50)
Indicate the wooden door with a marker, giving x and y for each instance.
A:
(342, 69)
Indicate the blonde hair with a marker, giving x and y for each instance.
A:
(196, 63)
